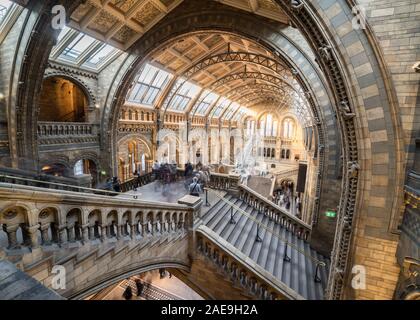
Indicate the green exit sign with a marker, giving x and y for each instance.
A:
(331, 214)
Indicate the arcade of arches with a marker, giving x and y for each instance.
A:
(303, 134)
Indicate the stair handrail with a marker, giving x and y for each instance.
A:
(287, 243)
(275, 206)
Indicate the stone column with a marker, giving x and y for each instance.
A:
(71, 234)
(92, 233)
(11, 236)
(33, 236)
(85, 233)
(133, 231)
(119, 234)
(104, 231)
(62, 234)
(144, 229)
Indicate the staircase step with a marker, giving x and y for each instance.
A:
(251, 236)
(214, 209)
(243, 227)
(258, 246)
(265, 247)
(220, 216)
(229, 227)
(271, 257)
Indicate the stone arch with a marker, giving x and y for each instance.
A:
(14, 220)
(91, 97)
(49, 224)
(119, 275)
(335, 61)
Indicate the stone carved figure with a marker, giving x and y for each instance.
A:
(346, 110)
(325, 52)
(353, 169)
(296, 5)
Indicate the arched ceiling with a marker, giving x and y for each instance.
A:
(215, 66)
(122, 22)
(209, 74)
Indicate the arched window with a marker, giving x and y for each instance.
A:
(78, 168)
(250, 127)
(288, 128)
(268, 126)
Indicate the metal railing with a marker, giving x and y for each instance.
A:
(260, 226)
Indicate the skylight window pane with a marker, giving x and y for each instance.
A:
(100, 55)
(4, 8)
(63, 32)
(68, 51)
(144, 73)
(161, 79)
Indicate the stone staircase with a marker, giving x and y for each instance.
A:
(297, 268)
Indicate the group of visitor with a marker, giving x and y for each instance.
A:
(165, 172)
(284, 196)
(113, 184)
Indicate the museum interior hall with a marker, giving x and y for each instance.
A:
(209, 150)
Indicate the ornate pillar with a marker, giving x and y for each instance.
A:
(11, 236)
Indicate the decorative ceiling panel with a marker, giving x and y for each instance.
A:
(81, 11)
(145, 16)
(123, 5)
(124, 34)
(103, 22)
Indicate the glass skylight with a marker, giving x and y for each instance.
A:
(149, 84)
(222, 104)
(63, 32)
(232, 109)
(104, 52)
(184, 96)
(77, 46)
(205, 101)
(239, 114)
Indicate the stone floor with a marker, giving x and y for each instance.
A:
(158, 192)
(171, 285)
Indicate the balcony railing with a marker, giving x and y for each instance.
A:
(65, 129)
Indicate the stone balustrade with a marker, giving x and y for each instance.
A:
(220, 181)
(51, 134)
(53, 129)
(254, 282)
(45, 217)
(274, 212)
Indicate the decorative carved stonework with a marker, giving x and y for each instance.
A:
(346, 110)
(10, 214)
(325, 53)
(71, 70)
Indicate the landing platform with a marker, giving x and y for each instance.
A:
(158, 192)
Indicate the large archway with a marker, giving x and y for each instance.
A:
(369, 138)
(349, 111)
(62, 100)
